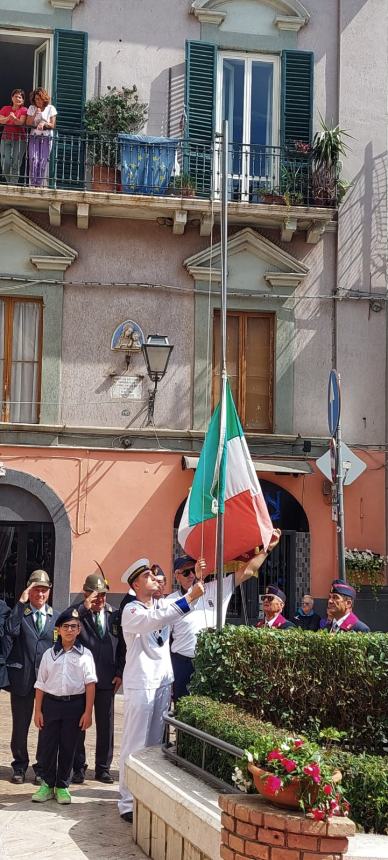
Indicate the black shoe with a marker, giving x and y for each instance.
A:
(18, 777)
(78, 777)
(38, 779)
(127, 816)
(104, 776)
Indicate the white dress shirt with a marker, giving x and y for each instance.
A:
(65, 673)
(202, 617)
(337, 623)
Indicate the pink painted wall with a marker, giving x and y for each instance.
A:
(122, 504)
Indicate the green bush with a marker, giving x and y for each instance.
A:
(300, 680)
(364, 777)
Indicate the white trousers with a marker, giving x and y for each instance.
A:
(142, 727)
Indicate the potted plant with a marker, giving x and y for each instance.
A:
(182, 185)
(105, 117)
(293, 775)
(364, 567)
(329, 145)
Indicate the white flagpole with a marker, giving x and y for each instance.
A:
(223, 376)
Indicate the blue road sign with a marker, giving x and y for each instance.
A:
(333, 402)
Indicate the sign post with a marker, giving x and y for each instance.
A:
(334, 420)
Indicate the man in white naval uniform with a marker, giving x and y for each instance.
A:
(185, 628)
(148, 672)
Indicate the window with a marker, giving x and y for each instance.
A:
(248, 97)
(20, 358)
(250, 366)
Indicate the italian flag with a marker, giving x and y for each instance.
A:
(225, 482)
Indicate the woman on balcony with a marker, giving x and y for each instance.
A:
(41, 117)
(13, 139)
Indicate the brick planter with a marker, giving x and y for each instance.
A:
(254, 828)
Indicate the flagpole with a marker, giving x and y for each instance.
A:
(223, 376)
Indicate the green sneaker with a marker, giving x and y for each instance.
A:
(44, 793)
(62, 795)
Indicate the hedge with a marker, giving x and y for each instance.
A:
(364, 777)
(304, 681)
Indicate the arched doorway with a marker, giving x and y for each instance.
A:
(288, 566)
(34, 533)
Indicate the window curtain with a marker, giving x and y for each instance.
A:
(25, 363)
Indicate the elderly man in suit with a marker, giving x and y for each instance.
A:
(340, 615)
(31, 626)
(274, 602)
(99, 633)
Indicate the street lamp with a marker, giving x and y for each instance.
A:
(156, 352)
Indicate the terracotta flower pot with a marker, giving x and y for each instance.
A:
(288, 796)
(105, 178)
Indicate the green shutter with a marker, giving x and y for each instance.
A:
(200, 87)
(200, 91)
(297, 96)
(69, 84)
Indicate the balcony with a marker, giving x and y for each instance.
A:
(176, 182)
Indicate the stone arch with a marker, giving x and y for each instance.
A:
(44, 496)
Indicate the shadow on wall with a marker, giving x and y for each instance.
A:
(166, 103)
(362, 257)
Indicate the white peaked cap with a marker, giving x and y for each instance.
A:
(140, 565)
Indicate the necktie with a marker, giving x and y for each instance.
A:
(39, 622)
(335, 627)
(99, 627)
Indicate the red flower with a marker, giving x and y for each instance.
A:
(327, 790)
(318, 814)
(274, 755)
(273, 784)
(289, 764)
(313, 771)
(298, 743)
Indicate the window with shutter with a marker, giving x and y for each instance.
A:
(20, 358)
(250, 366)
(200, 86)
(69, 84)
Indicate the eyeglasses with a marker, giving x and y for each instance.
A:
(187, 571)
(70, 626)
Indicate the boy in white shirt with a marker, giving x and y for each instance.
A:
(64, 699)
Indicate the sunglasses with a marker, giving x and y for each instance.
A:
(268, 597)
(187, 571)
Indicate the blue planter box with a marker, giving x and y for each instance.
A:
(147, 163)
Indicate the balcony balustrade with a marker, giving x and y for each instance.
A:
(175, 174)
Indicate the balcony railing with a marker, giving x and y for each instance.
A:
(132, 165)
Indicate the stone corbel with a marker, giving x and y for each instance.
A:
(290, 22)
(315, 232)
(68, 5)
(82, 216)
(55, 214)
(51, 264)
(288, 229)
(206, 224)
(208, 16)
(180, 221)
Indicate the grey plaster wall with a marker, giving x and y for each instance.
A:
(138, 43)
(126, 252)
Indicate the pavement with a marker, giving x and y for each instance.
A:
(90, 827)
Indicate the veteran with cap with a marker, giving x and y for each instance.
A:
(274, 601)
(31, 627)
(99, 633)
(340, 615)
(148, 672)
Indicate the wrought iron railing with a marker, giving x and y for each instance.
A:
(175, 728)
(129, 164)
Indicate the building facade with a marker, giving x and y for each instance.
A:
(95, 260)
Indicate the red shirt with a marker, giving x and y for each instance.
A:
(10, 130)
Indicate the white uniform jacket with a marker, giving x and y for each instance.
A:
(146, 634)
